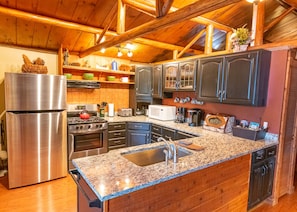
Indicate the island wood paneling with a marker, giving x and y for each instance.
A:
(222, 187)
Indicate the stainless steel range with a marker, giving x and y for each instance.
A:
(86, 137)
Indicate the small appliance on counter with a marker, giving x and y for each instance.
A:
(125, 112)
(162, 112)
(180, 115)
(195, 117)
(222, 123)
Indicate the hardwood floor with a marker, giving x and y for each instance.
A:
(60, 196)
(286, 203)
(54, 196)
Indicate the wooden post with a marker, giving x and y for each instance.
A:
(208, 39)
(121, 22)
(228, 41)
(258, 23)
(175, 53)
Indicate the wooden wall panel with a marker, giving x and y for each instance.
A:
(219, 187)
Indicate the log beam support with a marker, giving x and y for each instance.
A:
(258, 23)
(208, 39)
(193, 10)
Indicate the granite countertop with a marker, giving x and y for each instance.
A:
(111, 175)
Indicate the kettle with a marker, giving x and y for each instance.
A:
(195, 117)
(84, 114)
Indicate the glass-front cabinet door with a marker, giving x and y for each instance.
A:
(180, 76)
(187, 76)
(170, 76)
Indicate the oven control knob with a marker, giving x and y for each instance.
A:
(77, 127)
(89, 127)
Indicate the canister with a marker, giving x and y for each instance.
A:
(114, 65)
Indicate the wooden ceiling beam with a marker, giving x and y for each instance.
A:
(278, 19)
(185, 13)
(191, 43)
(163, 7)
(84, 28)
(162, 45)
(149, 9)
(108, 21)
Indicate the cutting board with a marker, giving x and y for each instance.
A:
(192, 146)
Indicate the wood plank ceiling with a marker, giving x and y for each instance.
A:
(57, 17)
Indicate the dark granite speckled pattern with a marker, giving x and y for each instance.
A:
(110, 175)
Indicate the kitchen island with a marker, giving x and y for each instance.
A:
(215, 178)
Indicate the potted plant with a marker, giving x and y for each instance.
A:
(241, 38)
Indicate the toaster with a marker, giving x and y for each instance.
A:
(125, 112)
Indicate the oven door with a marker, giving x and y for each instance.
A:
(86, 144)
(88, 141)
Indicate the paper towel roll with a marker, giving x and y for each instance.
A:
(110, 109)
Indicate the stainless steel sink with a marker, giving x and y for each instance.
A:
(151, 156)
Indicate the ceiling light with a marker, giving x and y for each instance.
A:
(130, 54)
(254, 1)
(120, 54)
(129, 46)
(102, 50)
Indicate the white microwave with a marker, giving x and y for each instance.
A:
(162, 112)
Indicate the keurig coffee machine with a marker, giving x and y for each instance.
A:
(195, 117)
(180, 115)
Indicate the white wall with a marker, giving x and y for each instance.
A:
(11, 59)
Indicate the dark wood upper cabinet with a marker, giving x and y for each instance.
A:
(240, 78)
(143, 81)
(210, 79)
(157, 82)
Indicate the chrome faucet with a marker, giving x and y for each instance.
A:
(171, 149)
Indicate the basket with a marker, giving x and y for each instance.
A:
(248, 133)
(32, 68)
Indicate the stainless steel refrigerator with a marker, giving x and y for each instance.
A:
(36, 127)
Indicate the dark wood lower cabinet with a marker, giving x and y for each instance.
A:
(138, 133)
(262, 175)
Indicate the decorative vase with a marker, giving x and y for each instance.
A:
(240, 48)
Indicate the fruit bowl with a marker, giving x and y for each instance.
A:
(68, 75)
(88, 76)
(110, 78)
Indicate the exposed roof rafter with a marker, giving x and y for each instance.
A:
(190, 11)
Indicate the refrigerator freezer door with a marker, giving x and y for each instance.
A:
(34, 92)
(37, 147)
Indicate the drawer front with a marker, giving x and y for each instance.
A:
(116, 142)
(116, 126)
(182, 135)
(139, 126)
(157, 129)
(258, 155)
(168, 133)
(116, 134)
(270, 151)
(154, 137)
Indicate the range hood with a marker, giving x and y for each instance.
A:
(83, 84)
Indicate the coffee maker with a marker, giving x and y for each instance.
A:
(180, 115)
(195, 117)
